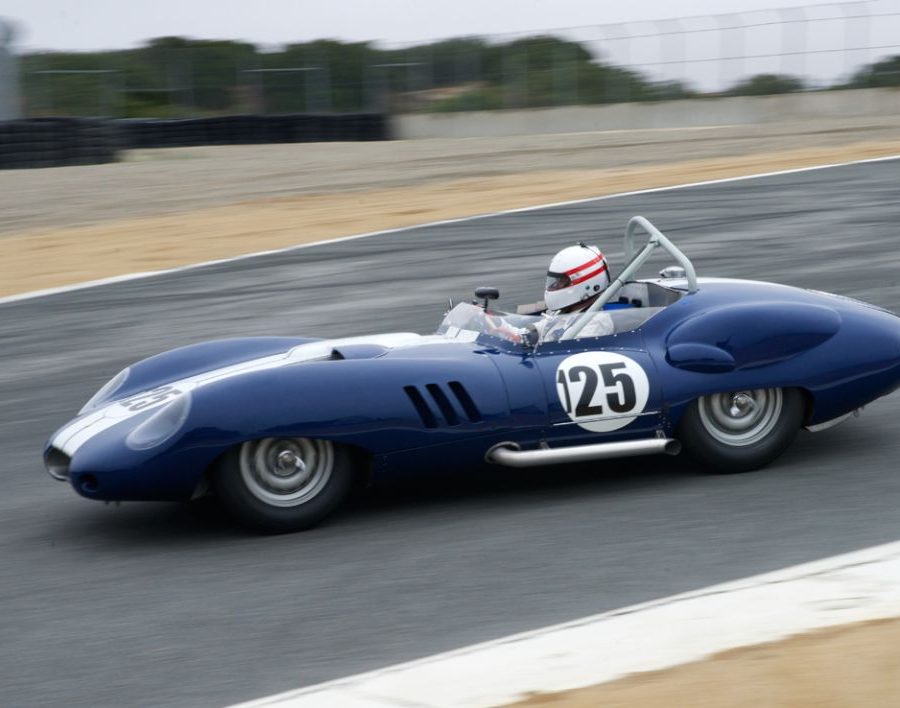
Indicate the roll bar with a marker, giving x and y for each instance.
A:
(634, 261)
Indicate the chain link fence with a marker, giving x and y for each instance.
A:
(816, 47)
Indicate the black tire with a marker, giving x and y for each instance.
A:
(279, 485)
(740, 431)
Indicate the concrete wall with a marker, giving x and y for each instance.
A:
(698, 112)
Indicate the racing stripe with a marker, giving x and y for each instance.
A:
(582, 278)
(72, 436)
(585, 265)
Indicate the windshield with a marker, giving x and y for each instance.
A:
(599, 324)
(466, 321)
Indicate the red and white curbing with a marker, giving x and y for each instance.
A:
(857, 586)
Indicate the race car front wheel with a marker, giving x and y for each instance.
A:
(739, 431)
(278, 485)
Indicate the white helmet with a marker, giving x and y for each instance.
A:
(576, 274)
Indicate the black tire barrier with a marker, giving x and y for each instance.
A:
(56, 142)
(253, 130)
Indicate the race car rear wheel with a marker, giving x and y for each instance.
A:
(279, 485)
(739, 431)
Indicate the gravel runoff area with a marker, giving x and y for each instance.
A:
(165, 208)
(841, 667)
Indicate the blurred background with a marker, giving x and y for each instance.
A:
(818, 47)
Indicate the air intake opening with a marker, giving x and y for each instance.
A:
(428, 419)
(57, 464)
(465, 400)
(443, 403)
(88, 484)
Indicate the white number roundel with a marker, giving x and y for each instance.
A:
(602, 391)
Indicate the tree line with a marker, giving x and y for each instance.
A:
(177, 76)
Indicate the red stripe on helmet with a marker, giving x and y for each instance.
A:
(585, 265)
(582, 278)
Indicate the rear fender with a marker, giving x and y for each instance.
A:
(746, 336)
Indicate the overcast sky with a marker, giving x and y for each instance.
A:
(110, 24)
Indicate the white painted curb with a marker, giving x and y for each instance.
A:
(150, 274)
(849, 588)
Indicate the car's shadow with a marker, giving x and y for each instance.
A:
(465, 492)
(145, 523)
(497, 485)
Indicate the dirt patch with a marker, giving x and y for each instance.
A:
(44, 258)
(843, 667)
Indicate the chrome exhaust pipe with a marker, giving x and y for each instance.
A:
(510, 455)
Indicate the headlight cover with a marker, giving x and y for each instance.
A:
(160, 426)
(108, 389)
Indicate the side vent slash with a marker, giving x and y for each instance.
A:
(465, 400)
(435, 400)
(443, 403)
(428, 419)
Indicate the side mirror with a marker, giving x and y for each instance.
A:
(485, 293)
(672, 271)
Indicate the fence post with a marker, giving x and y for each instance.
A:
(621, 92)
(10, 101)
(725, 47)
(790, 16)
(850, 11)
(325, 88)
(671, 35)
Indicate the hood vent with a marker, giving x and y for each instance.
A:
(443, 403)
(421, 407)
(465, 400)
(452, 402)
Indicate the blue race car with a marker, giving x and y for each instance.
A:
(278, 428)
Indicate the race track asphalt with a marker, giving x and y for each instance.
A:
(169, 605)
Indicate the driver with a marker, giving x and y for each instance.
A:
(576, 277)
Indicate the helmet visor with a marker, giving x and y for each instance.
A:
(557, 281)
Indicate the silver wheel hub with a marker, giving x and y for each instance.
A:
(288, 462)
(739, 418)
(286, 472)
(741, 405)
